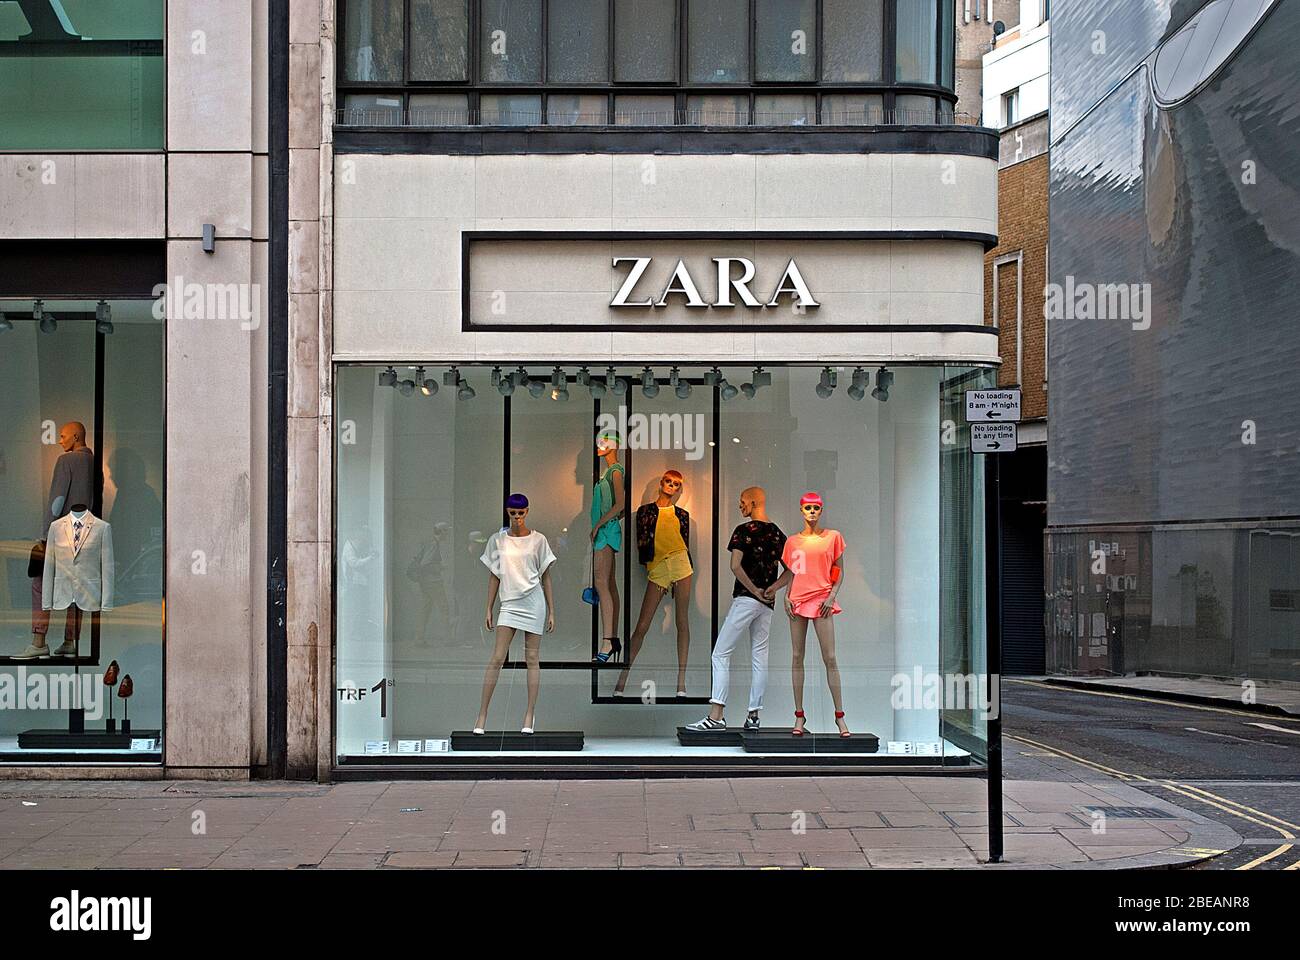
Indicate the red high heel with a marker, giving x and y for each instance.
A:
(798, 731)
(839, 715)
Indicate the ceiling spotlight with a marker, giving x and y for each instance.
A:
(428, 386)
(826, 385)
(536, 388)
(761, 379)
(505, 385)
(388, 377)
(5, 323)
(617, 385)
(858, 389)
(47, 322)
(594, 384)
(681, 387)
(466, 392)
(884, 380)
(103, 318)
(559, 385)
(649, 385)
(406, 387)
(727, 391)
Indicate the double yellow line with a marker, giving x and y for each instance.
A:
(1257, 817)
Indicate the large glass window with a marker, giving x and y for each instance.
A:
(430, 454)
(82, 75)
(791, 62)
(81, 607)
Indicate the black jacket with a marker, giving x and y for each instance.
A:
(647, 518)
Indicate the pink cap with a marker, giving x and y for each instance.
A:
(811, 497)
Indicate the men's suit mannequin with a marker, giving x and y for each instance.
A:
(78, 571)
(72, 482)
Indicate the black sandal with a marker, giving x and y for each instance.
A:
(615, 648)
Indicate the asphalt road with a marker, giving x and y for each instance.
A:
(1228, 764)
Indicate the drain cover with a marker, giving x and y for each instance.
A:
(1132, 813)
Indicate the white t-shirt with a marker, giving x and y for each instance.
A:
(518, 562)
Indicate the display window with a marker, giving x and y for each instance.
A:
(81, 531)
(555, 564)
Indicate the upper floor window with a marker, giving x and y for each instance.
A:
(81, 74)
(645, 62)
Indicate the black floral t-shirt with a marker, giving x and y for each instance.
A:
(760, 544)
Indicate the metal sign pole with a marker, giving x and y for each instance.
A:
(993, 653)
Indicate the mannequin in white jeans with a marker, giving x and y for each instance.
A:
(755, 548)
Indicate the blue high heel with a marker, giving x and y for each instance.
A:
(615, 648)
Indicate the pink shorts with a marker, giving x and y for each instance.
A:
(811, 609)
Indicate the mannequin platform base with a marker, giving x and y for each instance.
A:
(82, 740)
(708, 738)
(508, 740)
(781, 740)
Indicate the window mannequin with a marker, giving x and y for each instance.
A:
(814, 567)
(78, 574)
(756, 547)
(663, 540)
(608, 501)
(71, 483)
(519, 561)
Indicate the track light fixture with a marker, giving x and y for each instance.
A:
(47, 322)
(761, 379)
(594, 384)
(559, 385)
(5, 323)
(388, 377)
(726, 390)
(103, 318)
(614, 383)
(428, 385)
(861, 379)
(649, 385)
(828, 382)
(466, 392)
(536, 388)
(406, 387)
(505, 385)
(463, 390)
(884, 380)
(680, 387)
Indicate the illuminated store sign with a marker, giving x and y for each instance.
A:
(680, 283)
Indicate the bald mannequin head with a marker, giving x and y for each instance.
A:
(72, 436)
(753, 503)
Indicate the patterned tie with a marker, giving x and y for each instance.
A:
(76, 536)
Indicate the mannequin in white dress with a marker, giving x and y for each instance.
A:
(519, 561)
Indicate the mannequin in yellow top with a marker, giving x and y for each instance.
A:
(663, 533)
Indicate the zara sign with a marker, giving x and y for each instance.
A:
(727, 286)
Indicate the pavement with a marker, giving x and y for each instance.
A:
(1263, 697)
(789, 823)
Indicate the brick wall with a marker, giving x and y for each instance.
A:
(1022, 227)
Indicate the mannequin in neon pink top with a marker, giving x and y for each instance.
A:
(814, 568)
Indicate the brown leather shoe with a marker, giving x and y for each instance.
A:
(110, 675)
(126, 687)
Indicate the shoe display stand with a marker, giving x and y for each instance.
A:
(781, 740)
(511, 740)
(709, 738)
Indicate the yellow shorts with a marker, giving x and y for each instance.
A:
(667, 571)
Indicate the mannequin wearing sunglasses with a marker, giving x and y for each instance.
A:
(814, 568)
(663, 540)
(519, 564)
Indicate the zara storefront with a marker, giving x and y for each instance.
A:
(575, 310)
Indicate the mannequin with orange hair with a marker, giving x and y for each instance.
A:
(663, 540)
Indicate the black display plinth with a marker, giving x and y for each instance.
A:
(709, 738)
(83, 740)
(506, 740)
(781, 740)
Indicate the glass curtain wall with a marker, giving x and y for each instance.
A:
(420, 488)
(84, 404)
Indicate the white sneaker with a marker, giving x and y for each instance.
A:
(32, 652)
(706, 725)
(66, 649)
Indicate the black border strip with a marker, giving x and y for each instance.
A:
(469, 237)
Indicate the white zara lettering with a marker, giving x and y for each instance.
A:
(682, 284)
(76, 913)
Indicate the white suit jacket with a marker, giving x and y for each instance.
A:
(82, 575)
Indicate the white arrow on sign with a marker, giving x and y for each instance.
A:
(992, 405)
(992, 437)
